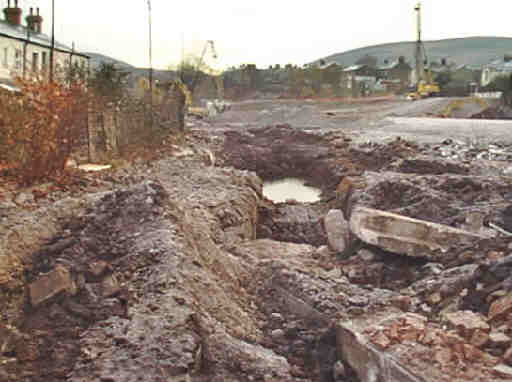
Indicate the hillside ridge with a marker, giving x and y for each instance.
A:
(476, 50)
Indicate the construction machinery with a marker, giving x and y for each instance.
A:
(425, 85)
(212, 107)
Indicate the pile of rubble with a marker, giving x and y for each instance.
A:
(187, 273)
(449, 267)
(471, 150)
(420, 233)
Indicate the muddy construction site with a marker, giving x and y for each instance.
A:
(180, 269)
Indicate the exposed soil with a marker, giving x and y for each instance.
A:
(178, 269)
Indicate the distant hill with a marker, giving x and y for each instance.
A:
(161, 75)
(475, 51)
(97, 59)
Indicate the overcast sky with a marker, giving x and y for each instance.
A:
(263, 32)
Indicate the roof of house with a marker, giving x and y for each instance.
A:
(467, 67)
(20, 32)
(388, 66)
(353, 68)
(327, 65)
(500, 65)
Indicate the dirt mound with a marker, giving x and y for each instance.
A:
(293, 223)
(280, 152)
(427, 166)
(374, 157)
(446, 199)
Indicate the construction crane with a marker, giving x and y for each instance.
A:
(425, 86)
(217, 105)
(210, 44)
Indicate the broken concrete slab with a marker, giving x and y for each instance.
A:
(370, 363)
(406, 236)
(50, 285)
(390, 345)
(337, 228)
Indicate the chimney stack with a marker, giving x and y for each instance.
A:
(13, 14)
(34, 21)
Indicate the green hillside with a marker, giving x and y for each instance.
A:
(476, 51)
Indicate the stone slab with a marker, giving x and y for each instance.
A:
(406, 236)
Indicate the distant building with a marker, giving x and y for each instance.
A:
(25, 49)
(395, 74)
(360, 79)
(497, 68)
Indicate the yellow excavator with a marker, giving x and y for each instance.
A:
(425, 86)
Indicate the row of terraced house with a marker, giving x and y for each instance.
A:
(26, 50)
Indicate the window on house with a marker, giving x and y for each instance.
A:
(18, 56)
(44, 60)
(6, 58)
(35, 62)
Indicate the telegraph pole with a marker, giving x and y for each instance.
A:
(150, 63)
(53, 41)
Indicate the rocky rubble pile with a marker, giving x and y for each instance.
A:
(423, 233)
(436, 246)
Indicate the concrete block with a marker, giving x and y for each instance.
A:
(50, 285)
(406, 236)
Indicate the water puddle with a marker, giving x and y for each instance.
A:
(290, 188)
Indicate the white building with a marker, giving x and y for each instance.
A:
(495, 69)
(25, 50)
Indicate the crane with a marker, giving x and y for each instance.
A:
(210, 44)
(217, 105)
(425, 86)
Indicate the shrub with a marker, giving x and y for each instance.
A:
(39, 126)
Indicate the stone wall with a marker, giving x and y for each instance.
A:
(115, 125)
